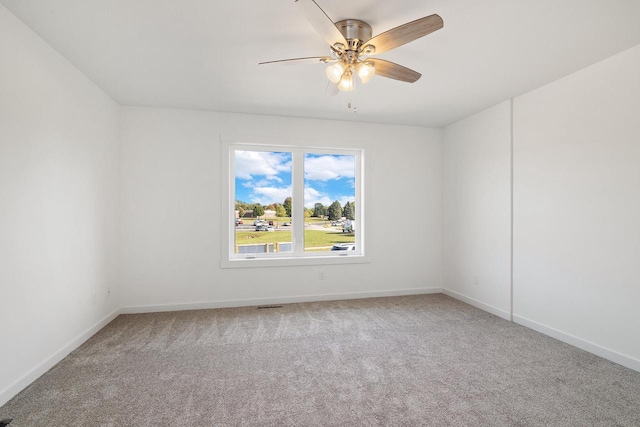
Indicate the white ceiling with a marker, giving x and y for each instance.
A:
(204, 54)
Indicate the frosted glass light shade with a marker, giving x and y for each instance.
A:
(346, 83)
(366, 71)
(335, 71)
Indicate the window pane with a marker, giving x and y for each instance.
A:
(262, 202)
(329, 202)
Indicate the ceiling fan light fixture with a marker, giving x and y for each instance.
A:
(338, 47)
(369, 50)
(351, 43)
(346, 82)
(365, 70)
(335, 72)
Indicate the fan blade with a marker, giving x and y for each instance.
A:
(332, 89)
(321, 22)
(405, 33)
(307, 60)
(394, 71)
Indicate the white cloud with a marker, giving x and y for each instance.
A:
(344, 199)
(261, 163)
(268, 195)
(324, 168)
(313, 196)
(263, 182)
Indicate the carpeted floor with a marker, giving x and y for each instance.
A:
(402, 361)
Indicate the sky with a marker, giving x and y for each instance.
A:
(265, 177)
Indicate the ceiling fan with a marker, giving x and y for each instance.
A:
(351, 45)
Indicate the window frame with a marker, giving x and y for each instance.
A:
(298, 256)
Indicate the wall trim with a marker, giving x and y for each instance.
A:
(474, 302)
(21, 383)
(16, 387)
(511, 208)
(611, 355)
(275, 300)
(598, 350)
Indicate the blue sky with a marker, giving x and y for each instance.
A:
(265, 177)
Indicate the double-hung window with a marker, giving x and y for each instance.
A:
(292, 205)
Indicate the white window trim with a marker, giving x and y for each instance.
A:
(298, 257)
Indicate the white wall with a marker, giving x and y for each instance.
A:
(477, 209)
(171, 249)
(58, 205)
(577, 205)
(576, 208)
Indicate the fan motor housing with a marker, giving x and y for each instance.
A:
(355, 31)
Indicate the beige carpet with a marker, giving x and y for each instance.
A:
(403, 361)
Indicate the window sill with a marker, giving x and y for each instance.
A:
(295, 261)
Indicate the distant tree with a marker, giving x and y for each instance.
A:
(271, 207)
(287, 206)
(242, 208)
(308, 213)
(258, 210)
(280, 211)
(319, 210)
(348, 211)
(335, 211)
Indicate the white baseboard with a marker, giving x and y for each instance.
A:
(593, 348)
(13, 389)
(585, 345)
(486, 307)
(276, 300)
(16, 387)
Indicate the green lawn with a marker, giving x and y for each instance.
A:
(313, 238)
(257, 237)
(317, 238)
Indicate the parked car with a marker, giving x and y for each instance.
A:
(344, 247)
(239, 221)
(349, 226)
(264, 227)
(286, 224)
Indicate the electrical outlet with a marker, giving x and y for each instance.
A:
(476, 280)
(321, 275)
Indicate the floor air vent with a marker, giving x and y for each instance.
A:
(260, 307)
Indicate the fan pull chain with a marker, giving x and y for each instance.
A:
(354, 93)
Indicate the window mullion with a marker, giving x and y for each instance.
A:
(231, 161)
(297, 219)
